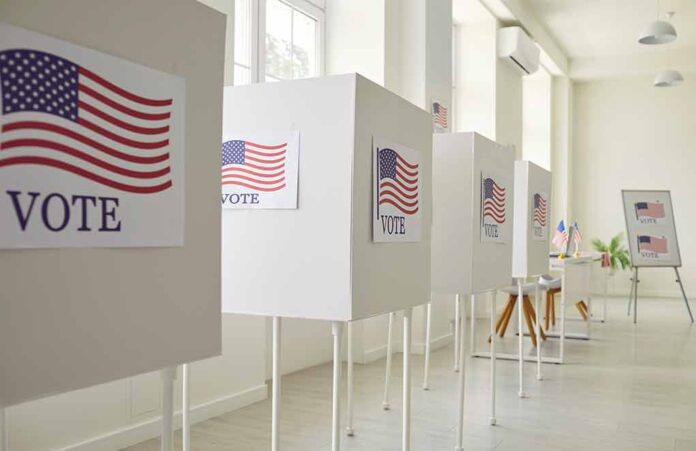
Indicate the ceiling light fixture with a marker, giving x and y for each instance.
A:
(668, 78)
(659, 32)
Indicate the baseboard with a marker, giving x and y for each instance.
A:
(416, 348)
(146, 430)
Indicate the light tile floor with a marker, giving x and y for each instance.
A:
(629, 388)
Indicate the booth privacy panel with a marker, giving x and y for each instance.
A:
(72, 318)
(530, 256)
(319, 261)
(463, 259)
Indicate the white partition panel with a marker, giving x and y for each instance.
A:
(71, 318)
(464, 260)
(530, 256)
(319, 261)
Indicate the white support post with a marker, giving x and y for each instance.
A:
(4, 430)
(406, 418)
(462, 384)
(276, 375)
(167, 438)
(472, 324)
(520, 337)
(337, 332)
(457, 338)
(426, 366)
(185, 407)
(349, 398)
(387, 375)
(537, 328)
(561, 341)
(492, 420)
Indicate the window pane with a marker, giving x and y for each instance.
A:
(242, 33)
(242, 75)
(278, 40)
(304, 45)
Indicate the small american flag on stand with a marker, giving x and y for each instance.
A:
(255, 166)
(60, 115)
(398, 182)
(560, 236)
(577, 236)
(440, 115)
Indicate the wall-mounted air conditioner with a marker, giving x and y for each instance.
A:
(518, 49)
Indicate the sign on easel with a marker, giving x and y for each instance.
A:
(652, 235)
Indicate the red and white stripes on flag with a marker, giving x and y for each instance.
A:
(259, 167)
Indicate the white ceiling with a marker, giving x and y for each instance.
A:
(604, 28)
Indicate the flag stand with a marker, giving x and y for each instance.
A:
(633, 296)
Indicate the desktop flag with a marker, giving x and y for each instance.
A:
(560, 237)
(577, 236)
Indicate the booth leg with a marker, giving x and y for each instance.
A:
(426, 366)
(337, 332)
(635, 298)
(387, 374)
(520, 338)
(462, 387)
(457, 338)
(4, 430)
(492, 420)
(406, 419)
(167, 438)
(275, 401)
(686, 300)
(537, 330)
(185, 407)
(349, 379)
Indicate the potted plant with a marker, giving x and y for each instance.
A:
(617, 254)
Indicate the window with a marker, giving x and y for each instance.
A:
(277, 40)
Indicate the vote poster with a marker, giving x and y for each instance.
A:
(260, 170)
(91, 148)
(651, 232)
(496, 196)
(397, 186)
(540, 216)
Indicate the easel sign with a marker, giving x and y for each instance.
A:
(652, 235)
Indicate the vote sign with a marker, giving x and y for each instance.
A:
(396, 193)
(494, 207)
(91, 147)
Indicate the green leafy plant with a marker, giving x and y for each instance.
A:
(618, 254)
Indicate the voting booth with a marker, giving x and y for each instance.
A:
(326, 194)
(108, 290)
(472, 235)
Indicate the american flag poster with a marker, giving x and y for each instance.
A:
(649, 212)
(91, 147)
(396, 193)
(653, 247)
(540, 217)
(495, 195)
(260, 170)
(440, 116)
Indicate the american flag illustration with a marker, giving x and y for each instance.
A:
(653, 210)
(560, 236)
(440, 114)
(58, 114)
(539, 210)
(652, 244)
(493, 201)
(255, 166)
(398, 182)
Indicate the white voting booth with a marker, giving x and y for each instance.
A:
(530, 256)
(337, 256)
(472, 234)
(93, 309)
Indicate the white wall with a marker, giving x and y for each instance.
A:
(536, 118)
(629, 135)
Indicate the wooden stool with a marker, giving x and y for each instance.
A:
(529, 315)
(551, 307)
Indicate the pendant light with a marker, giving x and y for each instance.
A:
(659, 32)
(668, 78)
